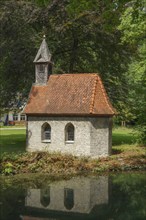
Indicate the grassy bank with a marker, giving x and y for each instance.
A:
(12, 140)
(126, 155)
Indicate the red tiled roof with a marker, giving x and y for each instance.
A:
(70, 94)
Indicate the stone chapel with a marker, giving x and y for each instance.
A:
(67, 113)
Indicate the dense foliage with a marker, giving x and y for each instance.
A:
(83, 36)
(133, 27)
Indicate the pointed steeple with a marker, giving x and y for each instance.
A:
(43, 54)
(43, 64)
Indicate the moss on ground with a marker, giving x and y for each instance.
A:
(58, 164)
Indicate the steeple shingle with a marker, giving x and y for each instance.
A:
(43, 54)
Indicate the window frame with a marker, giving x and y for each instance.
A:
(22, 117)
(15, 117)
(69, 140)
(45, 132)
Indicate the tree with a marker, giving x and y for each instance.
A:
(133, 27)
(18, 40)
(82, 36)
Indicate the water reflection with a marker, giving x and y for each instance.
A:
(45, 196)
(68, 198)
(106, 198)
(77, 195)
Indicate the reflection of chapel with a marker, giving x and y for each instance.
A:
(79, 197)
(68, 113)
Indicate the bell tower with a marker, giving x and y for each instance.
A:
(43, 64)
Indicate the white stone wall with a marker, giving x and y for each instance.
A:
(101, 136)
(91, 135)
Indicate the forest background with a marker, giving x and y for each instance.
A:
(101, 36)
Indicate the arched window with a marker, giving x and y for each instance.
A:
(69, 133)
(45, 197)
(46, 132)
(68, 198)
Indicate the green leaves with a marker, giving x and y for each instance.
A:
(7, 169)
(77, 8)
(133, 23)
(133, 28)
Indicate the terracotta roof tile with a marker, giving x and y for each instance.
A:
(73, 94)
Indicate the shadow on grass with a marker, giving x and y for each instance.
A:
(116, 151)
(121, 138)
(13, 143)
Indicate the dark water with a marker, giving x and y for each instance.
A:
(115, 197)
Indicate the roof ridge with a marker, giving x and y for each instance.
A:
(105, 95)
(71, 74)
(93, 96)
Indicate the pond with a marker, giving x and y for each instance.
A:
(108, 197)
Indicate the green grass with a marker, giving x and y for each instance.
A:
(12, 140)
(15, 126)
(123, 136)
(15, 140)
